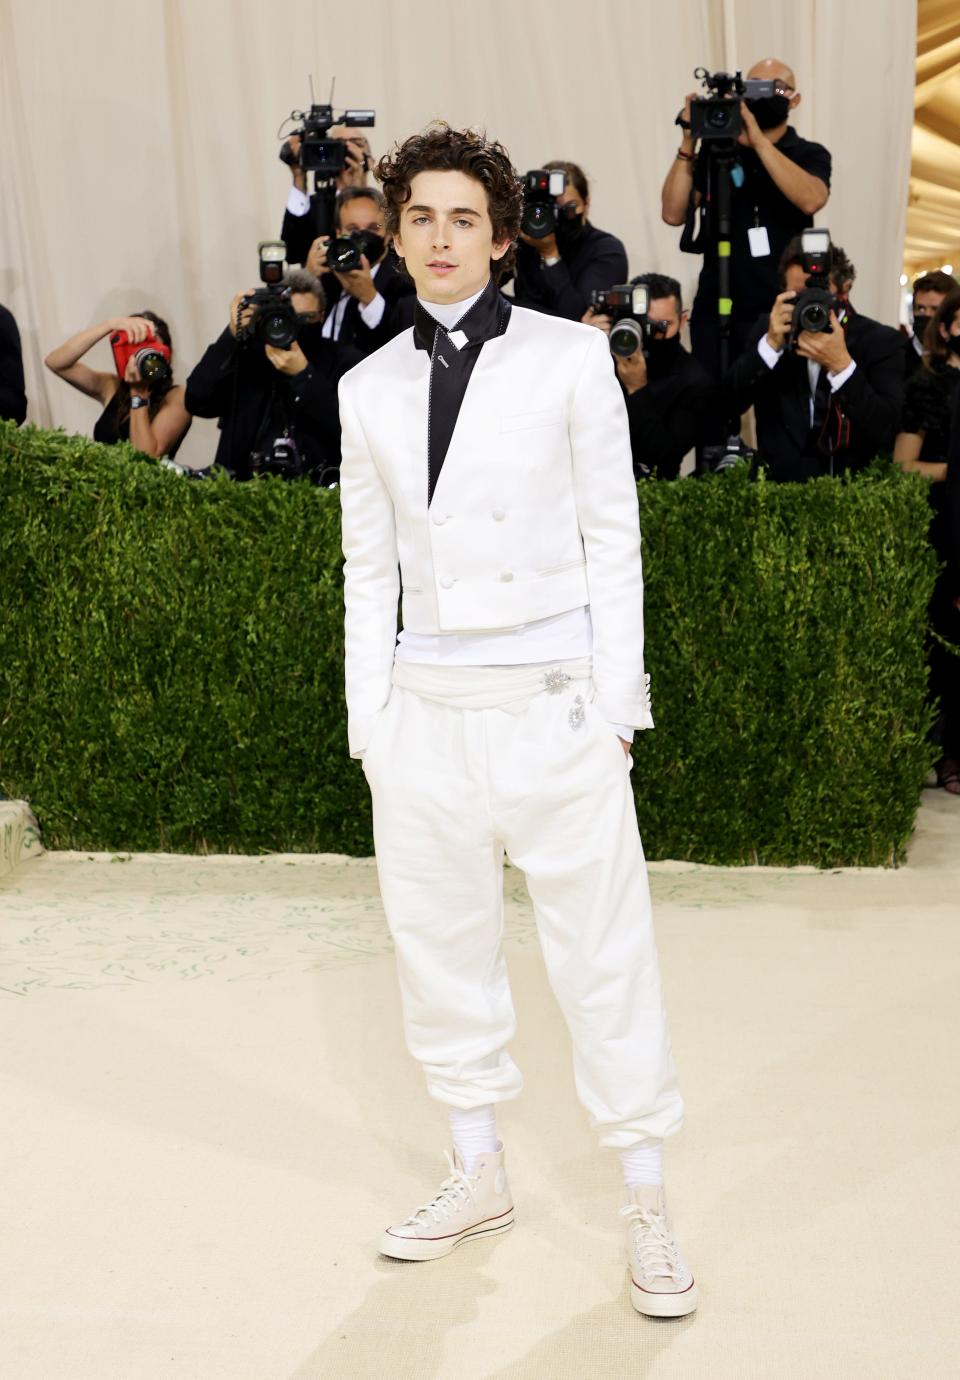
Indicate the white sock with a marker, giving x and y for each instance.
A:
(643, 1164)
(474, 1132)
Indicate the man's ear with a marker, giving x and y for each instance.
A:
(684, 318)
(795, 100)
(497, 251)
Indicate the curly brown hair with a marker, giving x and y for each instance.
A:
(443, 149)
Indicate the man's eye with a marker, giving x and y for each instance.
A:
(463, 222)
(418, 220)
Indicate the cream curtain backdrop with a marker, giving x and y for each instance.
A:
(140, 166)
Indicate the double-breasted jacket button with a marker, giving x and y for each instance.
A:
(438, 519)
(446, 581)
(506, 575)
(498, 515)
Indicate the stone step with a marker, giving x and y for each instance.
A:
(19, 835)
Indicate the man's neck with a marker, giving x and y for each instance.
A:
(449, 313)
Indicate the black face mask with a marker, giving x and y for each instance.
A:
(920, 324)
(371, 244)
(570, 228)
(309, 334)
(769, 111)
(662, 356)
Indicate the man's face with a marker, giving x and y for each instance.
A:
(665, 309)
(925, 305)
(572, 199)
(446, 236)
(307, 307)
(795, 280)
(361, 213)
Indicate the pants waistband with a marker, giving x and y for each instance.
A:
(487, 687)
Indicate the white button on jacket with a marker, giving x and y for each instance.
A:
(543, 433)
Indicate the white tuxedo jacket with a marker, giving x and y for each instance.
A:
(534, 512)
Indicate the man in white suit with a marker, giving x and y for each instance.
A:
(487, 476)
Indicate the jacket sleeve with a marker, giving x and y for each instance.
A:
(749, 375)
(604, 269)
(210, 383)
(872, 397)
(606, 498)
(660, 438)
(314, 400)
(371, 578)
(13, 398)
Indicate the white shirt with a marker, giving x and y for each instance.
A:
(558, 638)
(770, 356)
(371, 313)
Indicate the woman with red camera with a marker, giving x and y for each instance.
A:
(141, 403)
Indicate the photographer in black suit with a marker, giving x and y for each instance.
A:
(13, 398)
(306, 214)
(928, 293)
(364, 302)
(672, 402)
(559, 273)
(277, 407)
(827, 400)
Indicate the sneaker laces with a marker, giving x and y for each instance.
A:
(656, 1249)
(453, 1191)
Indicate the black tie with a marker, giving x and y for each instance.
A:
(450, 368)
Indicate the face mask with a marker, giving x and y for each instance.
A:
(769, 111)
(570, 227)
(308, 334)
(920, 324)
(371, 244)
(662, 356)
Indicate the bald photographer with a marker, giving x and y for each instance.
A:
(741, 177)
(826, 382)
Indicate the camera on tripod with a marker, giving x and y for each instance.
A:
(272, 319)
(717, 115)
(812, 307)
(319, 154)
(630, 326)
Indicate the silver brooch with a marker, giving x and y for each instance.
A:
(555, 679)
(576, 714)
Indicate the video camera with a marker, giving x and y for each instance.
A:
(812, 307)
(319, 154)
(631, 327)
(273, 320)
(718, 115)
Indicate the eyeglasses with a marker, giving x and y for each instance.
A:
(309, 318)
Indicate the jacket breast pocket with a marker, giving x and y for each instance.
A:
(530, 421)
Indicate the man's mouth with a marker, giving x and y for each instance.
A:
(441, 265)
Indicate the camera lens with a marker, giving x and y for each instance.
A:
(814, 317)
(279, 329)
(718, 118)
(152, 366)
(539, 219)
(625, 338)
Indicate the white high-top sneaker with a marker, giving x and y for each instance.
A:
(661, 1284)
(468, 1206)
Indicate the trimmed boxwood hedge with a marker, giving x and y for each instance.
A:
(171, 661)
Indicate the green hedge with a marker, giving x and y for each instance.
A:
(171, 662)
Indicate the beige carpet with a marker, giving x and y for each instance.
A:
(209, 1115)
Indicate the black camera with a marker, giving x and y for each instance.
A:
(319, 154)
(631, 327)
(540, 212)
(733, 452)
(344, 251)
(283, 459)
(717, 115)
(812, 307)
(273, 320)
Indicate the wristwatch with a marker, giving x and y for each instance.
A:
(136, 401)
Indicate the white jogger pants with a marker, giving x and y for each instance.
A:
(466, 764)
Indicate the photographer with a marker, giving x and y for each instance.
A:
(277, 407)
(145, 408)
(826, 400)
(362, 303)
(560, 272)
(302, 210)
(928, 293)
(777, 182)
(924, 447)
(13, 398)
(671, 399)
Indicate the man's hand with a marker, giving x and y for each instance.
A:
(240, 318)
(592, 317)
(137, 328)
(290, 362)
(317, 255)
(296, 172)
(781, 317)
(751, 136)
(827, 348)
(359, 282)
(632, 370)
(546, 247)
(354, 172)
